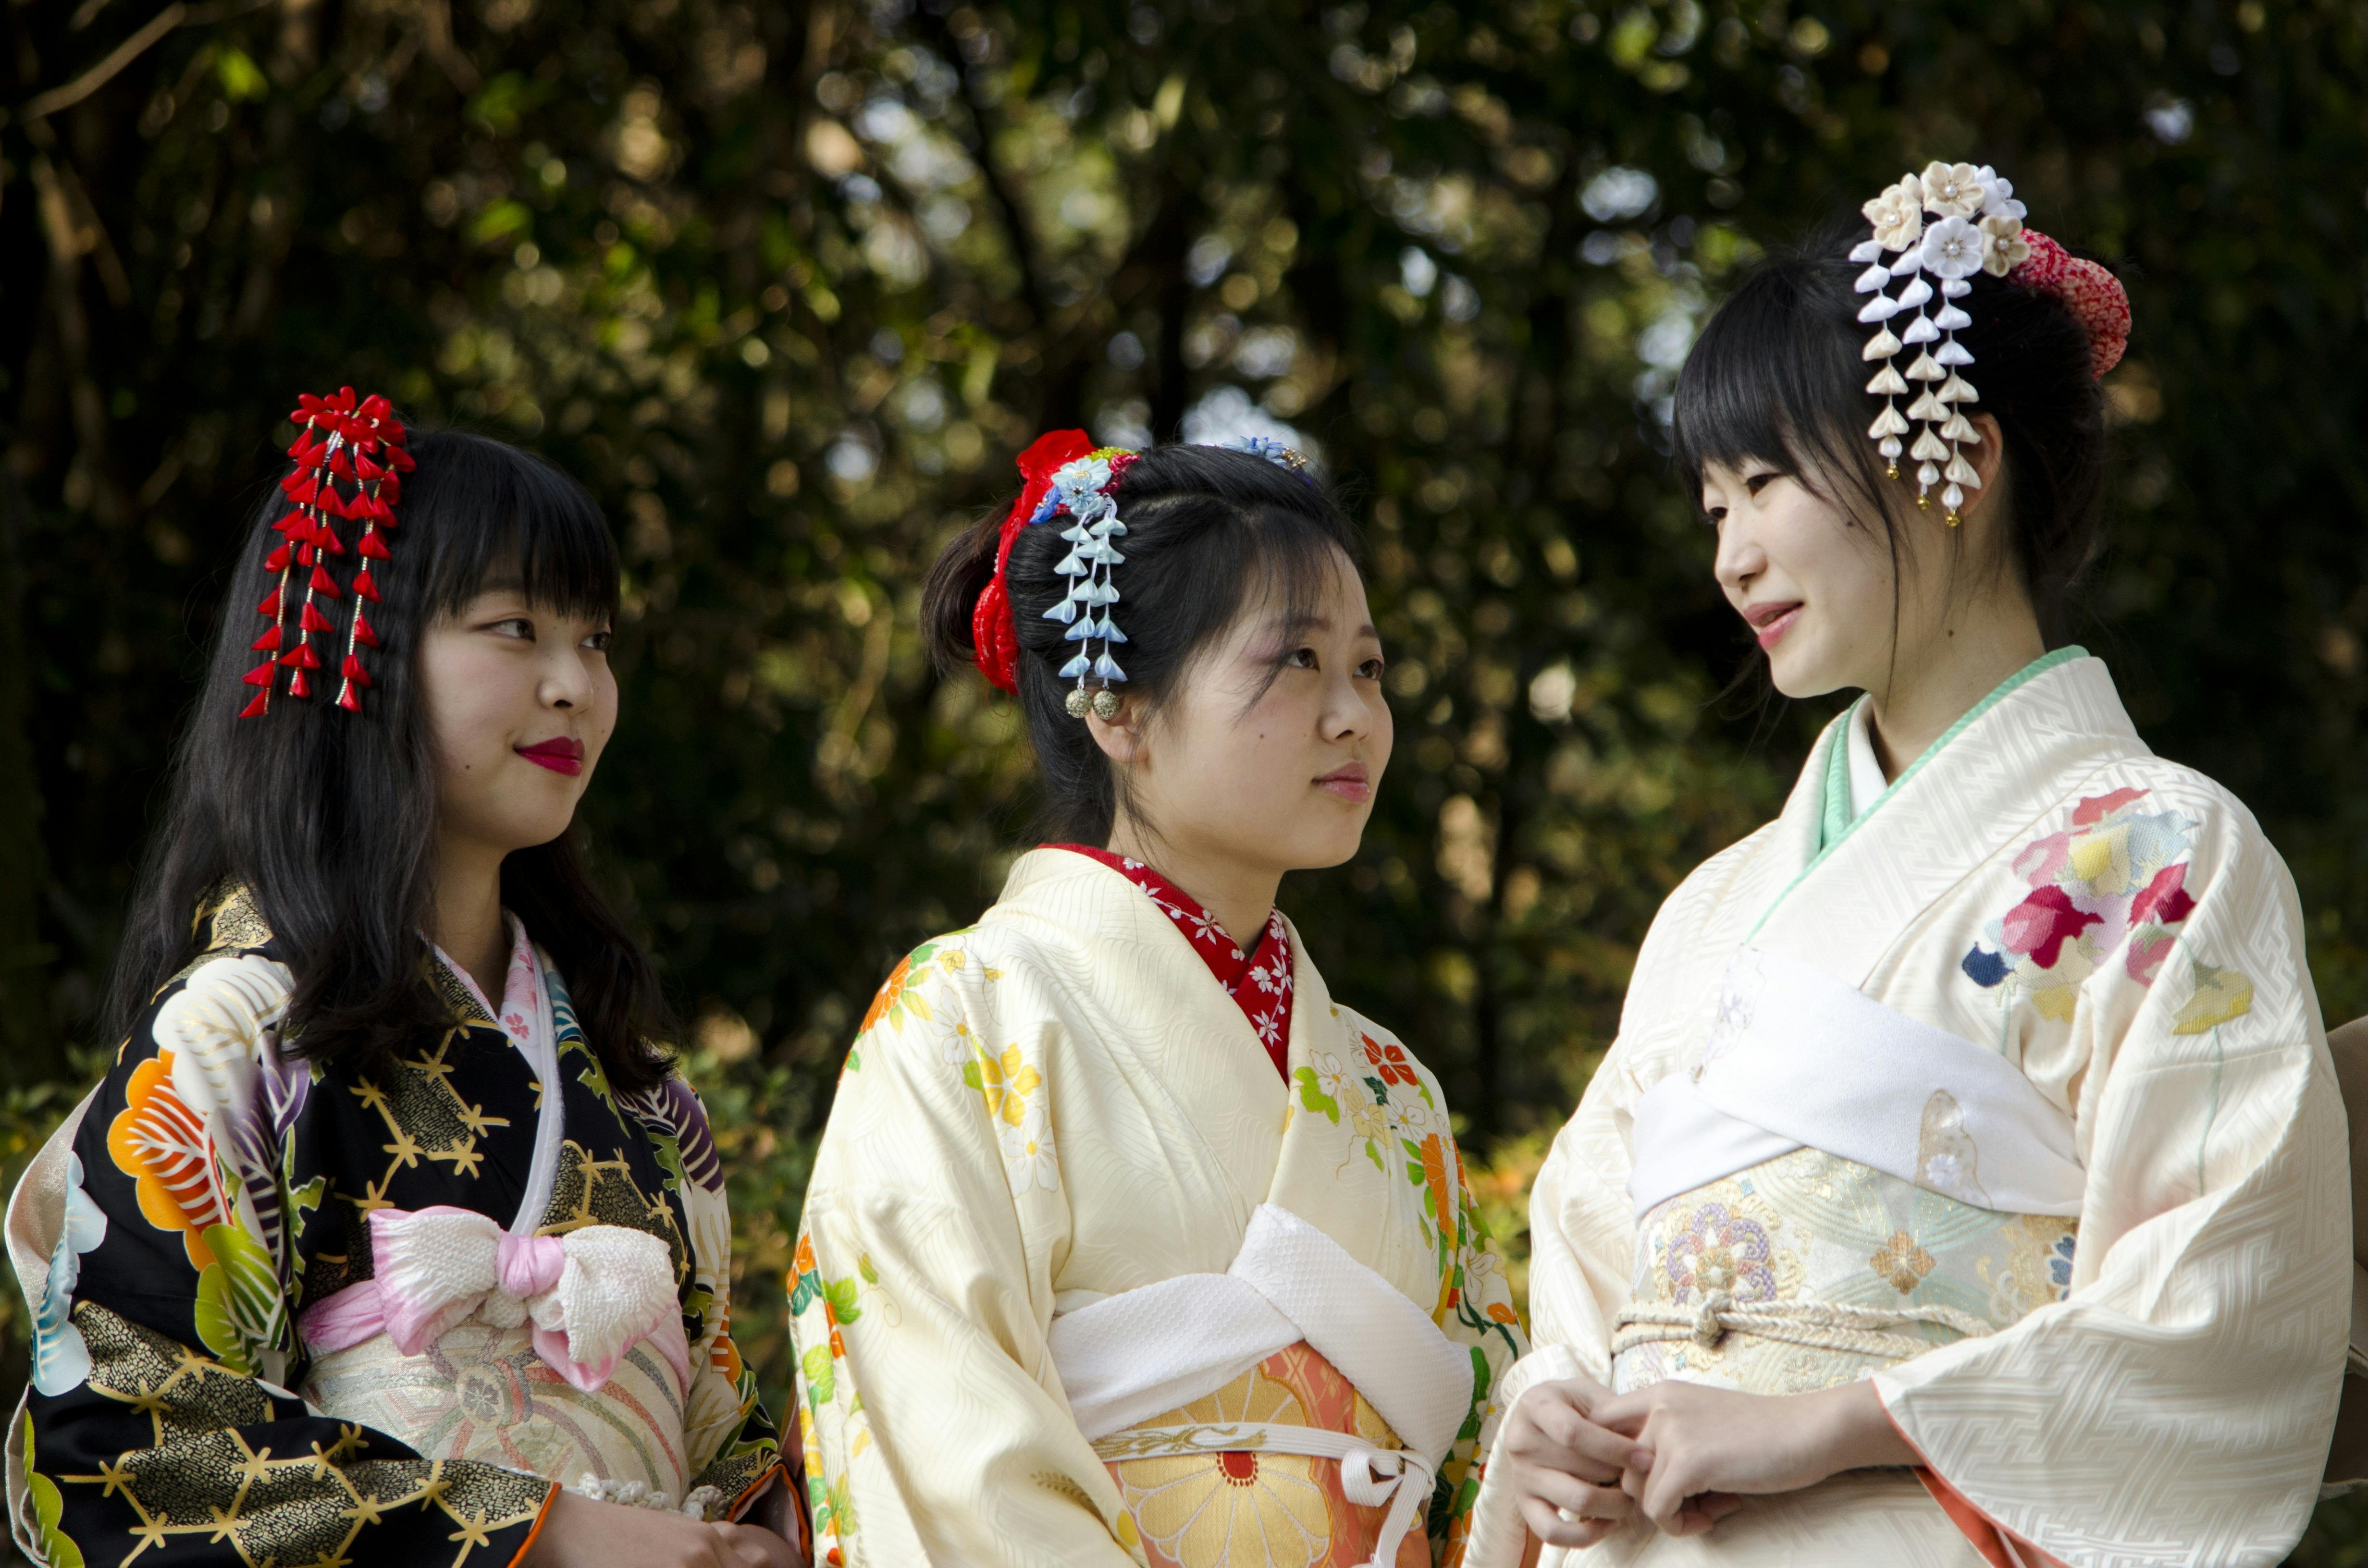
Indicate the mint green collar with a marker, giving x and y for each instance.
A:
(1836, 821)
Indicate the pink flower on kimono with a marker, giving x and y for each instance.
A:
(2165, 898)
(2042, 924)
(2147, 951)
(2042, 858)
(2097, 808)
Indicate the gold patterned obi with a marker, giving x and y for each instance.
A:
(1811, 1270)
(1270, 1470)
(483, 1392)
(1291, 1411)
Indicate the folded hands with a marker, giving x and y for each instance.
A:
(1583, 1461)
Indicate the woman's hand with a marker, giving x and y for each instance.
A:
(579, 1532)
(1563, 1466)
(1698, 1447)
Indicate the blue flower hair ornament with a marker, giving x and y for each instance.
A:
(1084, 489)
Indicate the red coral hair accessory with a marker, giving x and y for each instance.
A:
(994, 636)
(357, 443)
(2094, 296)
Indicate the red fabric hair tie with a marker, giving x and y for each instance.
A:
(994, 635)
(2094, 296)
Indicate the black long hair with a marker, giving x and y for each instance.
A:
(1211, 533)
(1777, 377)
(327, 818)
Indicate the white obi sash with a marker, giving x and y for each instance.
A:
(1799, 1059)
(1130, 1357)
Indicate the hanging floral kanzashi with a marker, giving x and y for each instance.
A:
(1931, 232)
(342, 441)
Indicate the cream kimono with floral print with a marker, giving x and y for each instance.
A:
(2112, 1318)
(1060, 1106)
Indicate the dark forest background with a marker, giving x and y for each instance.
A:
(787, 283)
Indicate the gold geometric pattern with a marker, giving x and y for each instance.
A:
(288, 1509)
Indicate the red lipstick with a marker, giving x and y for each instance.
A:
(558, 754)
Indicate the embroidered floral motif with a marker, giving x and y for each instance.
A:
(1716, 1249)
(2222, 996)
(1902, 1262)
(2114, 879)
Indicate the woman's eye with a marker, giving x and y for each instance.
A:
(1716, 515)
(599, 642)
(516, 626)
(1303, 659)
(1370, 670)
(1759, 482)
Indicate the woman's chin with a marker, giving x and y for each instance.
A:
(1797, 676)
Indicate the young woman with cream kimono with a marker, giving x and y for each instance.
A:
(1127, 1243)
(375, 1237)
(1967, 1181)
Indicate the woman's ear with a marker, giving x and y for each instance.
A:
(1119, 736)
(1988, 458)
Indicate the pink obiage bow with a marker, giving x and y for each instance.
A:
(591, 1294)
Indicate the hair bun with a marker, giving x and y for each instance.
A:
(2093, 294)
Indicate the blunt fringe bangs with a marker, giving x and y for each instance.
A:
(1777, 377)
(327, 818)
(1213, 535)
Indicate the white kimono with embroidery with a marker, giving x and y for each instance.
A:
(1083, 1281)
(2011, 1094)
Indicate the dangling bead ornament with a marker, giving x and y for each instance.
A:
(1066, 477)
(1976, 225)
(360, 443)
(1083, 490)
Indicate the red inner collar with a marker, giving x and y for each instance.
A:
(1259, 979)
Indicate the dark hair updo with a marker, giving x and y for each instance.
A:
(1777, 375)
(1211, 533)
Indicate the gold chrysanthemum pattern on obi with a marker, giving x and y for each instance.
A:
(1237, 1503)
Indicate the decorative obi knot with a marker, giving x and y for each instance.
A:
(1710, 1319)
(591, 1295)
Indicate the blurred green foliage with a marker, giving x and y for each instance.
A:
(786, 284)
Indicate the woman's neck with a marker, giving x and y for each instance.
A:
(1969, 658)
(468, 915)
(1239, 896)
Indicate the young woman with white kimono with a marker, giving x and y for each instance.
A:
(1127, 1243)
(1967, 1181)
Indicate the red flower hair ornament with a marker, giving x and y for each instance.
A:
(1065, 474)
(341, 441)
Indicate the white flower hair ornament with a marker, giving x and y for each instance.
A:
(1946, 224)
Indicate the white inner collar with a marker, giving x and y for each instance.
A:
(525, 1016)
(1866, 780)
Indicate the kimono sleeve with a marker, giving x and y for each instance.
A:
(2176, 1406)
(157, 1422)
(934, 1429)
(728, 1439)
(1582, 1232)
(1482, 1318)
